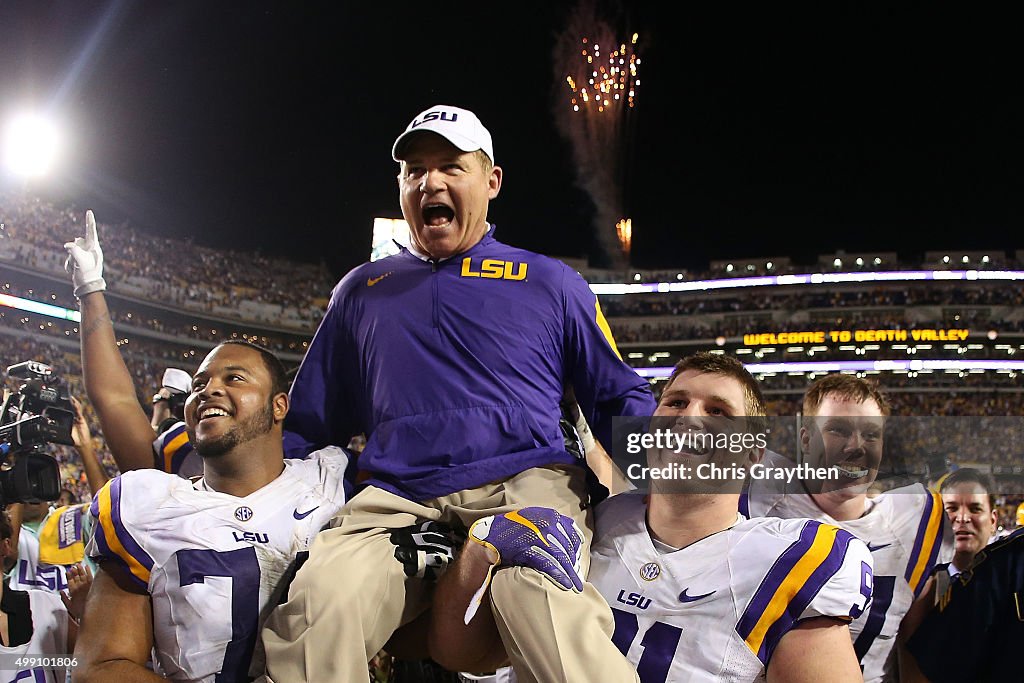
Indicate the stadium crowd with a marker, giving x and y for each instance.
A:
(279, 291)
(983, 294)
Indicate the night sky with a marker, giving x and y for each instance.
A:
(268, 125)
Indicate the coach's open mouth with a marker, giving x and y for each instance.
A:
(437, 215)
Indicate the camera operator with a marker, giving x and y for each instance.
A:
(38, 413)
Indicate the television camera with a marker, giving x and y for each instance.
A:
(38, 413)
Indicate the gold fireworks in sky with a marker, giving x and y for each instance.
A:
(602, 80)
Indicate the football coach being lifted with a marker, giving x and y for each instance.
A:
(452, 356)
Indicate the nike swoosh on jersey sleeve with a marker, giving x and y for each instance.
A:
(113, 539)
(788, 588)
(926, 544)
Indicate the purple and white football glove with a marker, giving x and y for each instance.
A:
(535, 537)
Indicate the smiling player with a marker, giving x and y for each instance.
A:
(187, 568)
(905, 528)
(698, 592)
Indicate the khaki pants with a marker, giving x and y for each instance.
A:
(352, 594)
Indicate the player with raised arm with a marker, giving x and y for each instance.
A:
(906, 529)
(188, 569)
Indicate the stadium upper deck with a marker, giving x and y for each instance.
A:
(951, 314)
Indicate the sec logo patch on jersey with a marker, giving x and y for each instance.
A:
(243, 513)
(650, 571)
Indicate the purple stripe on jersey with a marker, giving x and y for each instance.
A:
(818, 578)
(123, 535)
(774, 578)
(933, 557)
(922, 529)
(105, 554)
(745, 505)
(179, 456)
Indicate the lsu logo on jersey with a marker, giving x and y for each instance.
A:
(251, 537)
(634, 599)
(494, 269)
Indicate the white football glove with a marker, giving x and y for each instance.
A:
(85, 260)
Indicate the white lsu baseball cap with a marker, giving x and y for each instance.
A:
(460, 127)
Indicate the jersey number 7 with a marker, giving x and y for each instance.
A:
(243, 568)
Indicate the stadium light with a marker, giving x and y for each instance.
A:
(31, 144)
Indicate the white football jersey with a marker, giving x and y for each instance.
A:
(715, 610)
(31, 574)
(49, 639)
(907, 533)
(211, 561)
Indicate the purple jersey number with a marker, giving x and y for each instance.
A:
(242, 567)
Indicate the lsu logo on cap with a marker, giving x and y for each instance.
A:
(435, 116)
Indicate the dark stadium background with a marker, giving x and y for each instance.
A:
(268, 125)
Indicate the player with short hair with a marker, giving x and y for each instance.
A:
(905, 528)
(188, 569)
(698, 592)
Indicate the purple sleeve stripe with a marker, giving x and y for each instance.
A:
(919, 538)
(824, 572)
(745, 505)
(933, 556)
(123, 535)
(107, 555)
(925, 543)
(773, 580)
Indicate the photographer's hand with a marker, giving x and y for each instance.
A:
(161, 408)
(85, 260)
(80, 432)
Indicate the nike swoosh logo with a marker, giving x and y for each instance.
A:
(683, 597)
(371, 281)
(302, 515)
(873, 548)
